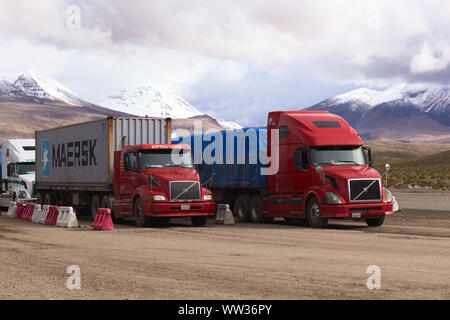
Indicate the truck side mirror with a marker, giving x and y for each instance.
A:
(370, 156)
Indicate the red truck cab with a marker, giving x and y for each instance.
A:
(154, 183)
(324, 172)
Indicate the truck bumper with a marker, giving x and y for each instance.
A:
(174, 210)
(356, 211)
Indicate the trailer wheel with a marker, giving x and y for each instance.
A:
(48, 199)
(141, 220)
(257, 209)
(95, 205)
(108, 203)
(376, 222)
(199, 221)
(242, 208)
(313, 215)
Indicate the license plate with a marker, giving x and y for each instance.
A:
(356, 215)
(186, 207)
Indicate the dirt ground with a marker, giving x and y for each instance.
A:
(244, 261)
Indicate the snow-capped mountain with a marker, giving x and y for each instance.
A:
(425, 97)
(400, 112)
(36, 87)
(146, 101)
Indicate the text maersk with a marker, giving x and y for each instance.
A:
(74, 154)
(227, 309)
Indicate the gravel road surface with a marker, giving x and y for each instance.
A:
(244, 261)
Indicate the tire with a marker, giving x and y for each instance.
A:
(48, 199)
(95, 205)
(199, 221)
(141, 220)
(108, 203)
(242, 208)
(313, 215)
(257, 209)
(376, 222)
(41, 197)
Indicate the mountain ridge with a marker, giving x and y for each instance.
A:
(31, 102)
(415, 112)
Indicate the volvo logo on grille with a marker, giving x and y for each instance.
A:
(184, 190)
(364, 190)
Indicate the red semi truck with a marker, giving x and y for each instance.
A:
(149, 186)
(324, 171)
(124, 164)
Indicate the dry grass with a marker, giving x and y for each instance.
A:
(430, 171)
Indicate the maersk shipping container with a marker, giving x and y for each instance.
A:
(242, 152)
(81, 156)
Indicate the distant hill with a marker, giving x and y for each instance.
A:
(20, 119)
(430, 171)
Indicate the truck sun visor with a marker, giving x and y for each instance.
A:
(327, 124)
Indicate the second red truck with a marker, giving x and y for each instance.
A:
(320, 170)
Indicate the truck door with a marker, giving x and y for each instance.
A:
(301, 172)
(129, 177)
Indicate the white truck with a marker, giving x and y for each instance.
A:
(18, 171)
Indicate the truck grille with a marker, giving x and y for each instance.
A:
(184, 191)
(357, 188)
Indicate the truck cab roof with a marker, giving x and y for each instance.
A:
(313, 128)
(156, 147)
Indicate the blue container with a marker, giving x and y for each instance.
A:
(230, 158)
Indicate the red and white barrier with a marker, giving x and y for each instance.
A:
(28, 213)
(103, 221)
(44, 213)
(52, 216)
(36, 214)
(67, 218)
(19, 211)
(12, 210)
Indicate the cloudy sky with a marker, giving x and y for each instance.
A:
(236, 59)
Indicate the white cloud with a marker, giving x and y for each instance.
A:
(245, 52)
(429, 61)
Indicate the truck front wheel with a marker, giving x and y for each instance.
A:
(141, 220)
(199, 221)
(375, 222)
(313, 215)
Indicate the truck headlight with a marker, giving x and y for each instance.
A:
(388, 195)
(208, 197)
(158, 198)
(332, 198)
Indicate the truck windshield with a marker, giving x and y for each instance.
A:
(26, 168)
(339, 155)
(163, 159)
